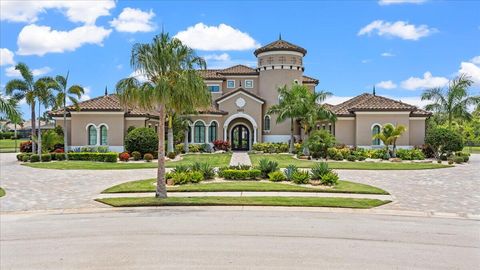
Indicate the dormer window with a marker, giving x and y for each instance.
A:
(230, 83)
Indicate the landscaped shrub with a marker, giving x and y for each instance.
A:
(271, 147)
(361, 158)
(410, 154)
(444, 141)
(450, 161)
(59, 156)
(130, 128)
(181, 168)
(59, 150)
(206, 148)
(94, 149)
(267, 166)
(125, 156)
(318, 143)
(319, 170)
(34, 158)
(277, 176)
(171, 155)
(182, 178)
(148, 157)
(232, 174)
(338, 156)
(20, 157)
(300, 177)
(221, 145)
(101, 157)
(26, 147)
(143, 140)
(351, 158)
(464, 155)
(206, 169)
(289, 172)
(194, 148)
(26, 158)
(136, 155)
(46, 157)
(6, 135)
(427, 150)
(23, 156)
(330, 179)
(458, 159)
(179, 148)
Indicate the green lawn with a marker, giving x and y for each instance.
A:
(285, 160)
(148, 186)
(216, 160)
(2, 192)
(8, 146)
(472, 149)
(245, 201)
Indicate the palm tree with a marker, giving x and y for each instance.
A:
(44, 94)
(9, 108)
(290, 106)
(21, 89)
(452, 102)
(172, 79)
(389, 135)
(72, 93)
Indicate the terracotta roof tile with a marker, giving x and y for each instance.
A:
(280, 45)
(307, 79)
(239, 69)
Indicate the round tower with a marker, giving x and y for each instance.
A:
(279, 63)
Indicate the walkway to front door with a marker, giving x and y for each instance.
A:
(240, 158)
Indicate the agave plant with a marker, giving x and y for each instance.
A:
(267, 166)
(319, 170)
(289, 171)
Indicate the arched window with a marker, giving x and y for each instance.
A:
(266, 123)
(103, 135)
(199, 132)
(375, 131)
(189, 134)
(92, 135)
(212, 131)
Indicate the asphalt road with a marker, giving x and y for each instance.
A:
(218, 238)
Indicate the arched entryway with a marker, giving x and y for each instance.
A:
(240, 138)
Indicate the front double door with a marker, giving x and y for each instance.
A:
(240, 138)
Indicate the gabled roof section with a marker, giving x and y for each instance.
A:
(307, 79)
(239, 90)
(239, 70)
(280, 45)
(369, 102)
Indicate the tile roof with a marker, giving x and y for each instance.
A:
(111, 103)
(306, 79)
(369, 102)
(240, 70)
(280, 45)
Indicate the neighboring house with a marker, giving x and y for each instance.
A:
(24, 129)
(240, 98)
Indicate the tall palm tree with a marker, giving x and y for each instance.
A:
(290, 106)
(9, 108)
(172, 79)
(389, 135)
(453, 101)
(72, 93)
(44, 94)
(24, 89)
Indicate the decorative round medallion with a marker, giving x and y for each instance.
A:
(240, 102)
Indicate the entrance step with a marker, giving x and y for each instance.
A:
(240, 158)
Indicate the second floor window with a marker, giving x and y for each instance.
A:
(214, 88)
(248, 83)
(230, 84)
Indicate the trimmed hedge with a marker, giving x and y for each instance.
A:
(182, 178)
(241, 174)
(90, 156)
(46, 157)
(143, 140)
(271, 147)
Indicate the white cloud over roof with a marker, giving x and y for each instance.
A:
(133, 20)
(399, 29)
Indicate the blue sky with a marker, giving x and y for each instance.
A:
(402, 46)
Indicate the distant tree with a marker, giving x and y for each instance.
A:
(9, 108)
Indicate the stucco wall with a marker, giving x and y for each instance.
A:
(68, 128)
(364, 123)
(417, 131)
(115, 123)
(345, 131)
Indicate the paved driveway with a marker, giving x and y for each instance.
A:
(454, 190)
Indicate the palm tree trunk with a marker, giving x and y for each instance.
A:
(306, 151)
(65, 130)
(33, 125)
(15, 135)
(170, 135)
(185, 141)
(292, 146)
(161, 191)
(39, 138)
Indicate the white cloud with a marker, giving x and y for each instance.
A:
(119, 66)
(86, 94)
(40, 40)
(365, 61)
(428, 81)
(387, 54)
(212, 38)
(334, 100)
(139, 76)
(475, 60)
(386, 85)
(12, 72)
(394, 2)
(76, 11)
(133, 20)
(217, 57)
(399, 29)
(471, 70)
(6, 57)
